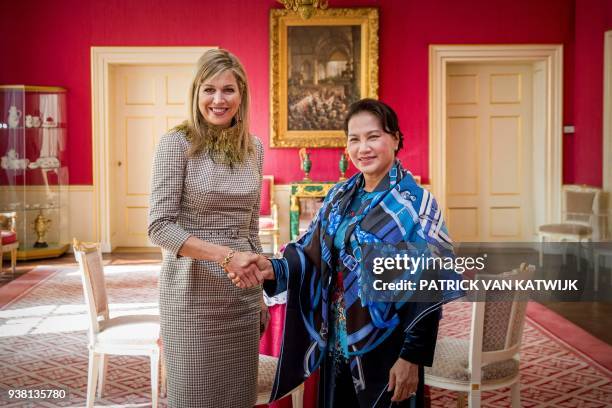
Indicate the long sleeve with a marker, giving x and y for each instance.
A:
(420, 341)
(281, 273)
(168, 175)
(254, 225)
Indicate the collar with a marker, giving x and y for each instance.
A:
(392, 176)
(216, 130)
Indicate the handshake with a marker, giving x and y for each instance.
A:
(247, 269)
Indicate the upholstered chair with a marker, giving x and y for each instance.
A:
(8, 238)
(581, 216)
(134, 335)
(489, 359)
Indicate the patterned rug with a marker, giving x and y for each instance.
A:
(43, 345)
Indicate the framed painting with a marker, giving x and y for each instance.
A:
(318, 68)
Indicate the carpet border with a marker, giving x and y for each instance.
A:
(24, 284)
(580, 343)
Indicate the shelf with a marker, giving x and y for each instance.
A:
(33, 88)
(38, 168)
(32, 209)
(54, 250)
(34, 128)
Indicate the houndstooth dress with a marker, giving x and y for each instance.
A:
(209, 327)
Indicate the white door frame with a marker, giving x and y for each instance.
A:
(102, 60)
(552, 57)
(607, 122)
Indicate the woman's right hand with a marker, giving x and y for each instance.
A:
(243, 271)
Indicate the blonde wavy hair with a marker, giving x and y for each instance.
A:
(230, 147)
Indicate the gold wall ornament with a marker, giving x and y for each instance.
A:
(304, 8)
(325, 62)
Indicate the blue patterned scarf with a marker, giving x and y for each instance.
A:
(402, 212)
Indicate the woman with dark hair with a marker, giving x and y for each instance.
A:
(371, 352)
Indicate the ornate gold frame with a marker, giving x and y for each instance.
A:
(280, 19)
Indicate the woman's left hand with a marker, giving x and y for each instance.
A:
(403, 380)
(264, 318)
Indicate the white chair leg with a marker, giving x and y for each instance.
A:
(13, 260)
(515, 394)
(474, 399)
(154, 378)
(542, 240)
(590, 251)
(297, 398)
(92, 377)
(102, 374)
(579, 256)
(275, 239)
(162, 369)
(596, 272)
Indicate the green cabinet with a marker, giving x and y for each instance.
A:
(306, 198)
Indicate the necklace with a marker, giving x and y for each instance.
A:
(225, 144)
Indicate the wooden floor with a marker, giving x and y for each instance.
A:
(594, 317)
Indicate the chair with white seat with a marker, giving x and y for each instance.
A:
(490, 358)
(582, 217)
(122, 335)
(8, 238)
(265, 381)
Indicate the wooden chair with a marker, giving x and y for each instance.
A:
(122, 335)
(580, 215)
(268, 214)
(490, 358)
(8, 238)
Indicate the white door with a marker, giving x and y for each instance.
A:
(489, 152)
(147, 101)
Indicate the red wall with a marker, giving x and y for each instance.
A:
(48, 43)
(583, 153)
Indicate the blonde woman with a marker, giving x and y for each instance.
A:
(204, 209)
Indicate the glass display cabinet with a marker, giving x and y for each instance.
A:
(33, 171)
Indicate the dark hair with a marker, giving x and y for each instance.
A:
(384, 113)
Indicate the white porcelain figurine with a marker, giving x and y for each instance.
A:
(12, 161)
(14, 115)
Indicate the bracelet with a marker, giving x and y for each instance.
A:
(227, 259)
